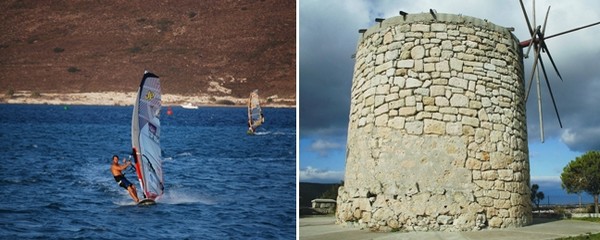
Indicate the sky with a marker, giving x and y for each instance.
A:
(328, 35)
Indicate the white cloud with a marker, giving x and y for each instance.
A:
(583, 139)
(311, 174)
(568, 137)
(545, 179)
(323, 146)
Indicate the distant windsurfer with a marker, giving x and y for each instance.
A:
(254, 105)
(117, 171)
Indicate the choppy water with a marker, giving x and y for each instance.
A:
(219, 182)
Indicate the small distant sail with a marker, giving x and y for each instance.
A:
(145, 137)
(255, 115)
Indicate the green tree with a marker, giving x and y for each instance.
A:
(583, 174)
(536, 196)
(572, 180)
(332, 192)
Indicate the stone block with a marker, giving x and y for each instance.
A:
(410, 101)
(382, 120)
(435, 52)
(408, 63)
(391, 97)
(434, 127)
(458, 82)
(419, 28)
(391, 55)
(449, 110)
(388, 38)
(407, 111)
(442, 102)
(413, 83)
(396, 122)
(446, 45)
(505, 174)
(417, 52)
(489, 175)
(473, 164)
(471, 121)
(399, 81)
(467, 112)
(384, 108)
(418, 65)
(438, 27)
(384, 67)
(458, 100)
(429, 67)
(428, 101)
(456, 64)
(382, 89)
(437, 90)
(414, 127)
(454, 128)
(442, 66)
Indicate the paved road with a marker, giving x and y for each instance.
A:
(320, 227)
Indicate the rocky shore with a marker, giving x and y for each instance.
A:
(127, 98)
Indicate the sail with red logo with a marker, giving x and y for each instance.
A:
(145, 138)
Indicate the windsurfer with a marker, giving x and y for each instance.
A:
(117, 171)
(253, 103)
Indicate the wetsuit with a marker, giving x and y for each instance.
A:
(122, 181)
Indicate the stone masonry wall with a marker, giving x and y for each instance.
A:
(437, 134)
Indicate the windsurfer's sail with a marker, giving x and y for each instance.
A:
(255, 116)
(145, 137)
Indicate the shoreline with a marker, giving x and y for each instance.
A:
(127, 98)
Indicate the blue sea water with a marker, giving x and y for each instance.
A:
(220, 183)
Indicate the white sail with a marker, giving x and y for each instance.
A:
(255, 116)
(145, 137)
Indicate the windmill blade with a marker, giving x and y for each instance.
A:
(534, 18)
(526, 17)
(572, 30)
(545, 21)
(545, 48)
(535, 62)
(550, 90)
(532, 41)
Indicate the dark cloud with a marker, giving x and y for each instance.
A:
(576, 99)
(327, 43)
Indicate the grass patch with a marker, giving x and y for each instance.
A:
(589, 219)
(10, 93)
(73, 69)
(135, 49)
(33, 39)
(587, 236)
(164, 24)
(225, 102)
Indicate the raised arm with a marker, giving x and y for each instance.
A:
(124, 165)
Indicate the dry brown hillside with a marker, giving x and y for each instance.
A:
(220, 47)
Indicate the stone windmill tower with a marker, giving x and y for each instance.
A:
(437, 133)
